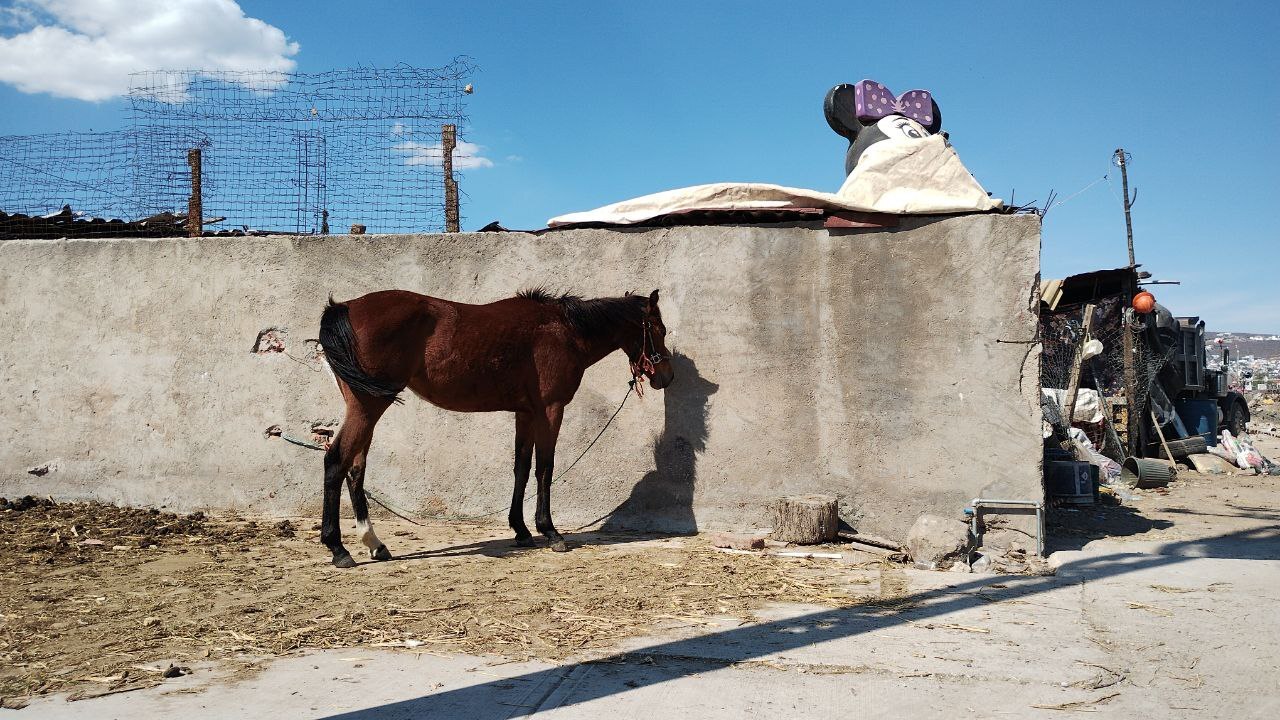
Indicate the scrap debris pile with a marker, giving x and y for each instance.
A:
(70, 224)
(67, 223)
(1129, 394)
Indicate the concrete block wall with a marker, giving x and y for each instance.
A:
(891, 368)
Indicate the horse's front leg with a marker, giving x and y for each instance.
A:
(548, 431)
(523, 463)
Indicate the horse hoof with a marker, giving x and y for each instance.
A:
(525, 542)
(382, 553)
(344, 561)
(559, 546)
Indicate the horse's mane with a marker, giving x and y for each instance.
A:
(595, 317)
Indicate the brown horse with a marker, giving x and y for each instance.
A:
(525, 355)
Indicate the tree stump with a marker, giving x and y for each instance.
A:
(806, 519)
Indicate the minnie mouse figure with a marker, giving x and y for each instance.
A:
(899, 163)
(866, 113)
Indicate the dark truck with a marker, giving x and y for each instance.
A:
(1152, 363)
(1200, 396)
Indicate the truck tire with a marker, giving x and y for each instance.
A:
(1185, 446)
(1236, 418)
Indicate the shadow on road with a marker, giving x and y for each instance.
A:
(1071, 528)
(536, 690)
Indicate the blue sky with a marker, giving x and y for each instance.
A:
(582, 104)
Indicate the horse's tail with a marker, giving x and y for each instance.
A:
(339, 343)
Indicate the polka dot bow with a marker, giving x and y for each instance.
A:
(874, 101)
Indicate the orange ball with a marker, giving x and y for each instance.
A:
(1144, 302)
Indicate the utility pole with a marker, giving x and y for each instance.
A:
(1121, 159)
(1135, 428)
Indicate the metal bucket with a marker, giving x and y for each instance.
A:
(1145, 473)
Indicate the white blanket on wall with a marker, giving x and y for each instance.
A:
(918, 177)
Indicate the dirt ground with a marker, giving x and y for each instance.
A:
(1192, 506)
(98, 599)
(1266, 416)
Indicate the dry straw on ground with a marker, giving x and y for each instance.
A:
(99, 599)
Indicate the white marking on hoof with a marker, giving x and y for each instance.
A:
(368, 538)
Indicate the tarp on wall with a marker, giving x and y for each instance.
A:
(920, 177)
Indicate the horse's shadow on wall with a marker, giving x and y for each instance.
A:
(662, 501)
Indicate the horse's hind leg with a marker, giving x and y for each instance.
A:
(548, 431)
(336, 466)
(523, 462)
(360, 504)
(351, 443)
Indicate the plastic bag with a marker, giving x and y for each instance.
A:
(1221, 451)
(1229, 442)
(1108, 469)
(1249, 459)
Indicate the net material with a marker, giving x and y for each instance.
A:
(41, 174)
(279, 152)
(1061, 333)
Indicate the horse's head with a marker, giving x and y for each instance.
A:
(648, 353)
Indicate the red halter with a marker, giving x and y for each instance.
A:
(646, 363)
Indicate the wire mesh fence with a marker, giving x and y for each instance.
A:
(1062, 332)
(41, 174)
(279, 152)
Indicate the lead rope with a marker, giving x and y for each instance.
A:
(406, 516)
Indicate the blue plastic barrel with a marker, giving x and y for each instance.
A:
(1201, 418)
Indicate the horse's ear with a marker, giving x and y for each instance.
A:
(653, 301)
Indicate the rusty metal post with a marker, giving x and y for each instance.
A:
(449, 141)
(195, 205)
(1135, 437)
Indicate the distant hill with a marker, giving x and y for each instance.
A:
(1259, 345)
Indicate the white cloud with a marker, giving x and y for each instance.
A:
(86, 49)
(465, 156)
